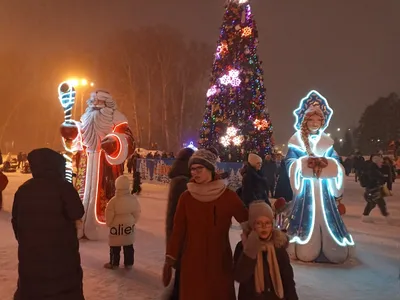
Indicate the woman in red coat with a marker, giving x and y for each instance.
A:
(3, 185)
(200, 235)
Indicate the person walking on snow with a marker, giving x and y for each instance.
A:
(122, 213)
(180, 176)
(374, 181)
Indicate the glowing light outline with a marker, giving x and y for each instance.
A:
(345, 241)
(97, 189)
(67, 104)
(120, 124)
(297, 110)
(297, 239)
(123, 149)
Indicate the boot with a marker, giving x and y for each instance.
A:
(367, 219)
(110, 266)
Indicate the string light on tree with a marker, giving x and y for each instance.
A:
(231, 78)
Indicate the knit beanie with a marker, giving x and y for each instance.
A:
(259, 209)
(205, 158)
(253, 159)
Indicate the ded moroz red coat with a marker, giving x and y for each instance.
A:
(201, 233)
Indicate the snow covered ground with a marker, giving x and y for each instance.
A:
(373, 274)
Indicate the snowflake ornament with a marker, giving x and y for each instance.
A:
(231, 78)
(261, 124)
(231, 137)
(247, 31)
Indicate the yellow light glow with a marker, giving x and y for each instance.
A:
(92, 84)
(84, 82)
(73, 82)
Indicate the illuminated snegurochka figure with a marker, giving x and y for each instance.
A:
(316, 229)
(103, 143)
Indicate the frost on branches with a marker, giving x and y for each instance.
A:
(236, 120)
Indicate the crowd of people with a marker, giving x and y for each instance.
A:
(198, 219)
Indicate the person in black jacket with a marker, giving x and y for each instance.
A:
(358, 165)
(283, 188)
(254, 184)
(45, 212)
(270, 171)
(179, 175)
(373, 188)
(388, 172)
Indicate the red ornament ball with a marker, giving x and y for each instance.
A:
(69, 131)
(342, 209)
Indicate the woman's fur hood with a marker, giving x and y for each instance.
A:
(280, 238)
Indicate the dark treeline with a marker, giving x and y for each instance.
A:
(158, 79)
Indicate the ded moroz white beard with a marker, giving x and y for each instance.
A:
(96, 124)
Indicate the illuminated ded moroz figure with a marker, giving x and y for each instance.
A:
(316, 229)
(103, 143)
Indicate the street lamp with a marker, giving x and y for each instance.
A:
(77, 83)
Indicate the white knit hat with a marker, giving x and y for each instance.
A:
(253, 159)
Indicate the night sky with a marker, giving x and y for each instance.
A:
(347, 50)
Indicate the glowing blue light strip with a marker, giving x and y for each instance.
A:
(322, 129)
(344, 241)
(297, 239)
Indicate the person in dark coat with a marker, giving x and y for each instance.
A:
(3, 185)
(254, 184)
(283, 188)
(373, 189)
(45, 212)
(358, 164)
(180, 176)
(270, 171)
(261, 264)
(388, 172)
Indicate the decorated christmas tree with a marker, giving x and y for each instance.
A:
(236, 120)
